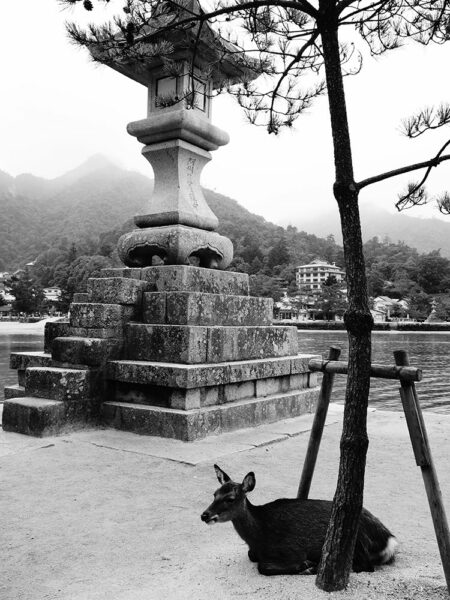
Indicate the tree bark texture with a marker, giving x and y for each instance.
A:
(337, 554)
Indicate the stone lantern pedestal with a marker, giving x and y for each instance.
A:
(171, 345)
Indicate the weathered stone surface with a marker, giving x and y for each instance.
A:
(103, 333)
(86, 351)
(244, 343)
(54, 329)
(116, 290)
(121, 272)
(175, 245)
(23, 360)
(201, 375)
(195, 344)
(14, 391)
(189, 425)
(80, 297)
(21, 376)
(68, 385)
(100, 316)
(34, 416)
(195, 279)
(154, 308)
(166, 342)
(198, 308)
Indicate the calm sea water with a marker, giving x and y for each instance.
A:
(429, 351)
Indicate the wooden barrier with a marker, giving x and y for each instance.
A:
(407, 375)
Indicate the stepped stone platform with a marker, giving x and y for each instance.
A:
(174, 351)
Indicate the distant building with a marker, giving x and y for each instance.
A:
(52, 294)
(312, 276)
(384, 308)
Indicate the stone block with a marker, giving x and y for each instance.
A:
(259, 368)
(211, 395)
(300, 363)
(194, 424)
(21, 376)
(100, 315)
(14, 391)
(68, 385)
(198, 308)
(23, 360)
(80, 297)
(272, 385)
(244, 343)
(200, 375)
(194, 279)
(96, 332)
(54, 329)
(34, 416)
(185, 399)
(169, 343)
(237, 391)
(299, 381)
(116, 290)
(92, 352)
(154, 308)
(121, 272)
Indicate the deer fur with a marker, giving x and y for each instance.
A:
(286, 536)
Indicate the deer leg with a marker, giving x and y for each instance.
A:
(252, 555)
(289, 566)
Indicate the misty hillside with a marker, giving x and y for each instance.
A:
(424, 234)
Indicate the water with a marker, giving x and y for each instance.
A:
(17, 337)
(427, 351)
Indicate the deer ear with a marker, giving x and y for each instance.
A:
(221, 475)
(249, 482)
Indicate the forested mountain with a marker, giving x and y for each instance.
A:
(423, 234)
(69, 227)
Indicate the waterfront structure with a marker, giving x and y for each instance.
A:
(172, 344)
(312, 276)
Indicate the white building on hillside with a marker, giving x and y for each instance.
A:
(313, 275)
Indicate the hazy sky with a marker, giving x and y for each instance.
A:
(57, 108)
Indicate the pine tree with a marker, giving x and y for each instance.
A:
(297, 45)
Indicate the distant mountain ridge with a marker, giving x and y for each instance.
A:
(423, 234)
(99, 198)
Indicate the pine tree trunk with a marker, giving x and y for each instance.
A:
(337, 554)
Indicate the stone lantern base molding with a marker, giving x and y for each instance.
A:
(175, 245)
(192, 126)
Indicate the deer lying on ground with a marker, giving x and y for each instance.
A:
(286, 536)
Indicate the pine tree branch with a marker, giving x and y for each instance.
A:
(433, 162)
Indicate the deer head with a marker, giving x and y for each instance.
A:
(228, 499)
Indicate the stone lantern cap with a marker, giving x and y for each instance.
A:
(220, 58)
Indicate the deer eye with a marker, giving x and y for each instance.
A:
(229, 500)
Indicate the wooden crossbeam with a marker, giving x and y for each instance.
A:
(377, 371)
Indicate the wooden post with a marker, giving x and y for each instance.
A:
(317, 428)
(422, 453)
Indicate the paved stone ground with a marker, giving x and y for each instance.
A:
(101, 515)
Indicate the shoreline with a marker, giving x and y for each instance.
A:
(402, 327)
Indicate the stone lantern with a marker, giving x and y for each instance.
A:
(178, 227)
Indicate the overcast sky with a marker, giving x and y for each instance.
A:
(57, 108)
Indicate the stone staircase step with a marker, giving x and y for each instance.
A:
(23, 360)
(192, 279)
(66, 385)
(189, 425)
(14, 391)
(199, 308)
(97, 315)
(177, 375)
(54, 329)
(34, 416)
(116, 290)
(192, 344)
(91, 352)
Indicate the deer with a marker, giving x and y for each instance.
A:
(285, 537)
